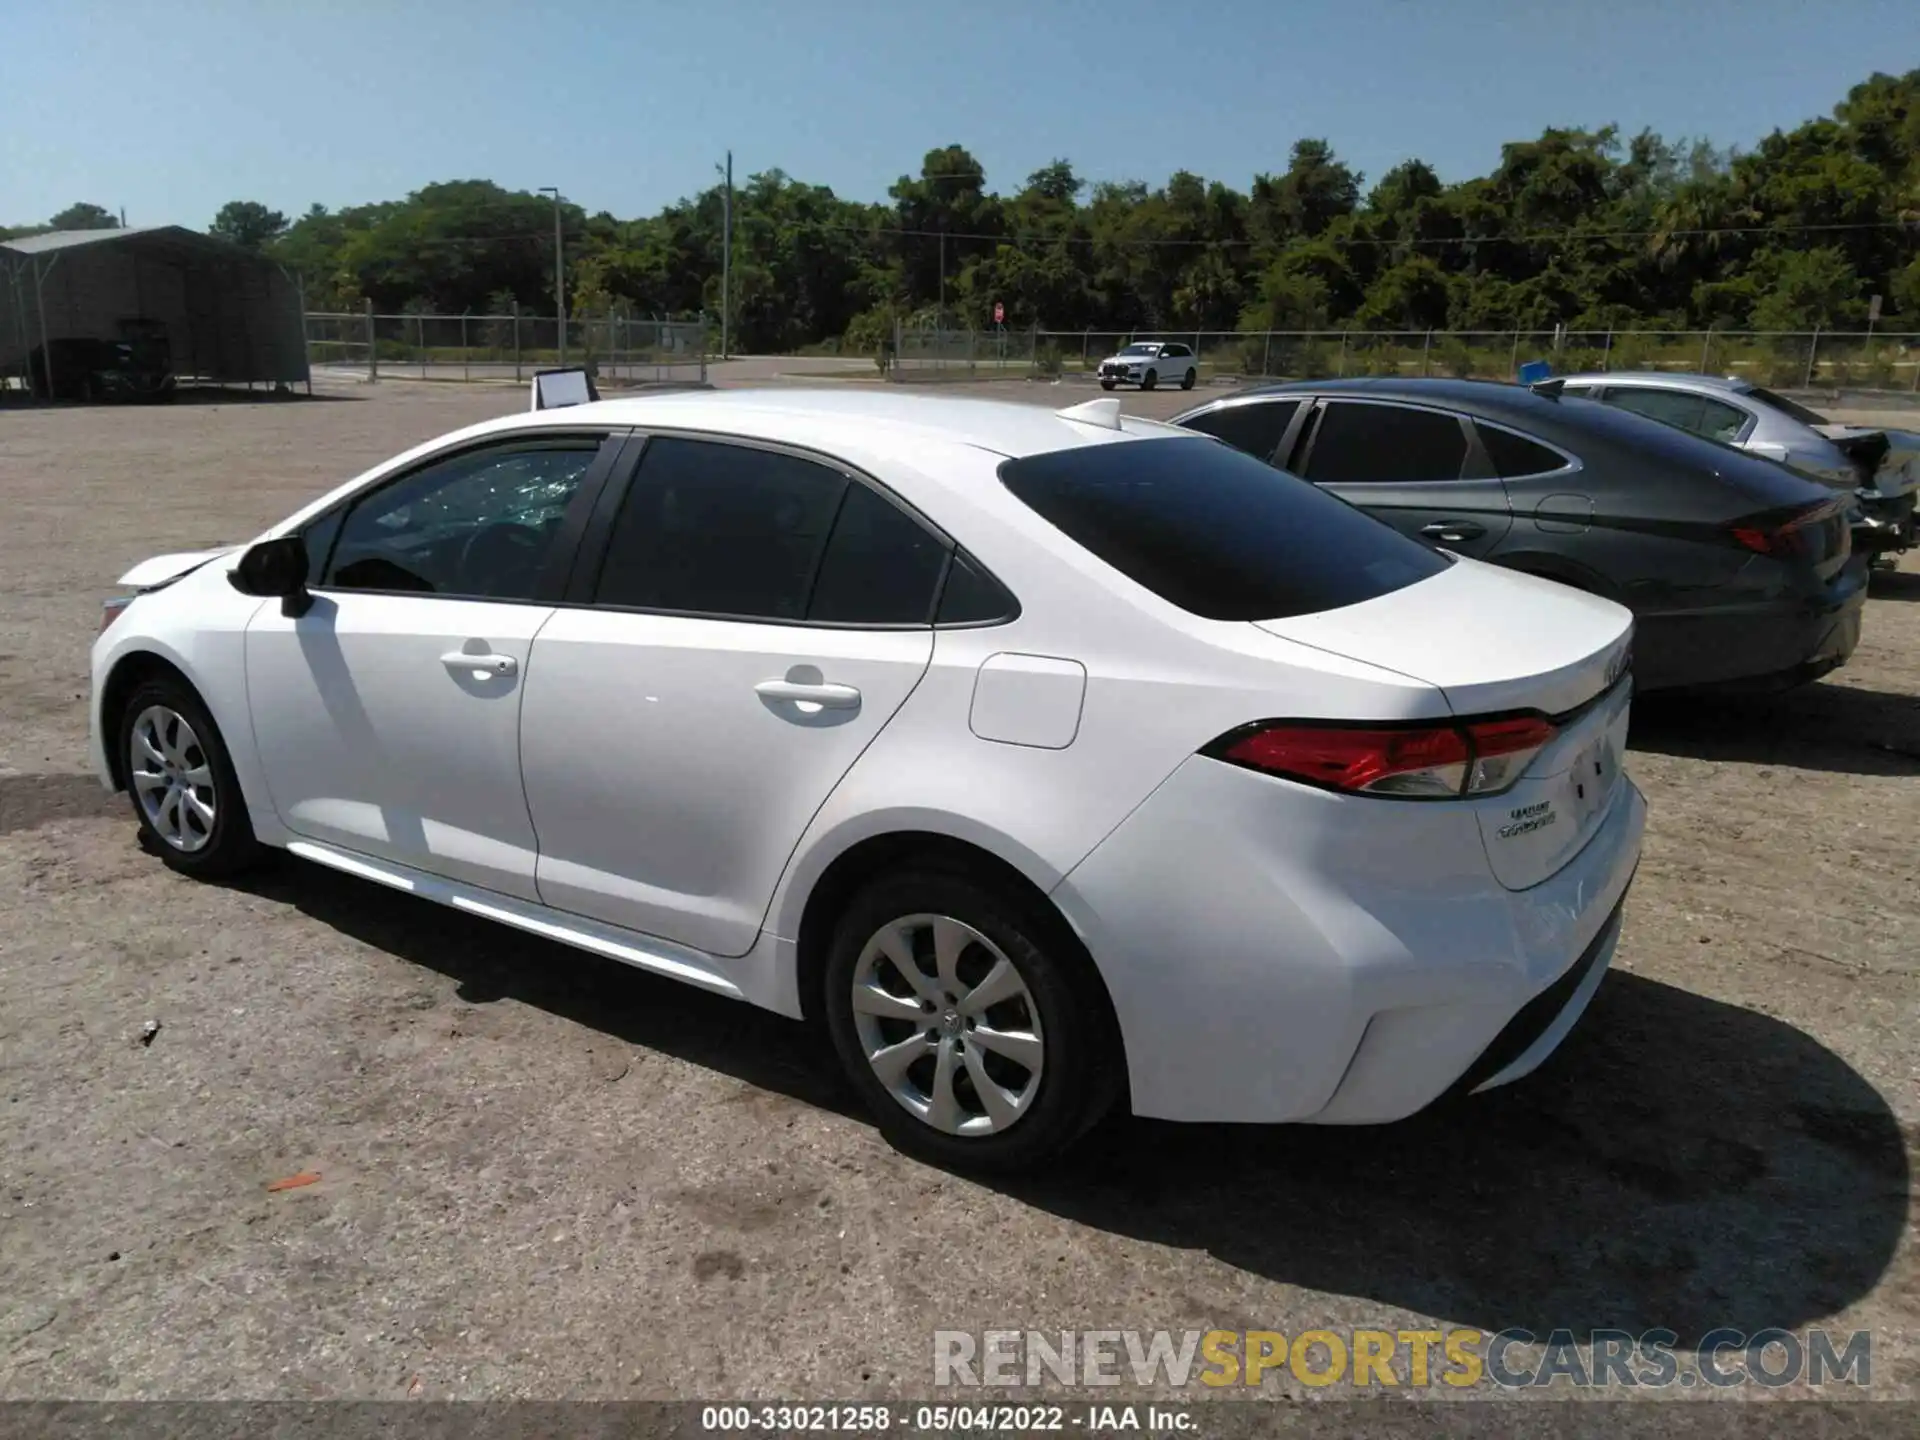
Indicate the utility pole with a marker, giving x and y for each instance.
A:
(941, 323)
(726, 257)
(559, 270)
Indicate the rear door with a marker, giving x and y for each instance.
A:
(743, 622)
(1413, 466)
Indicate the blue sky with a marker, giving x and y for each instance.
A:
(171, 109)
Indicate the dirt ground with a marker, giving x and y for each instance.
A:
(546, 1175)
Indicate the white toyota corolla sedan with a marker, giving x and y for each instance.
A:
(1049, 757)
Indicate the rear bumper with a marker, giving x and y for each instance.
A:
(1886, 523)
(1766, 645)
(1278, 954)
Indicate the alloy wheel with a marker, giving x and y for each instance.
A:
(172, 777)
(948, 1025)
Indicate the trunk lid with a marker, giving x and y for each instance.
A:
(1494, 641)
(1491, 640)
(1564, 797)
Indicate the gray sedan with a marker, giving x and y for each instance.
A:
(1880, 468)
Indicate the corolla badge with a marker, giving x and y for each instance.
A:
(1525, 819)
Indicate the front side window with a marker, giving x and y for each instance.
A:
(1362, 443)
(717, 529)
(1256, 427)
(480, 524)
(1216, 532)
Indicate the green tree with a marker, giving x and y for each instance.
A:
(247, 223)
(85, 216)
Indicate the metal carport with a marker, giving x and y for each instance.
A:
(232, 316)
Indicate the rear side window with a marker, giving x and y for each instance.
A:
(1216, 532)
(1704, 417)
(881, 567)
(724, 530)
(1359, 443)
(1514, 456)
(973, 597)
(1256, 428)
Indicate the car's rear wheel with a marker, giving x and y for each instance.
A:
(1186, 381)
(181, 781)
(1152, 379)
(967, 1022)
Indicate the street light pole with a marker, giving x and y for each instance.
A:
(726, 257)
(559, 272)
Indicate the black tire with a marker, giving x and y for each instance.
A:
(1107, 384)
(229, 846)
(1186, 382)
(1080, 1075)
(1152, 380)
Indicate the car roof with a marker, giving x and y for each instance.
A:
(1004, 427)
(1663, 380)
(1493, 398)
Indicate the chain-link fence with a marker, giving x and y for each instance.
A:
(1831, 360)
(619, 346)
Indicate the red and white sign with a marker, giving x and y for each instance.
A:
(999, 313)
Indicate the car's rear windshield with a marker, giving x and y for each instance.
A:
(1787, 407)
(1215, 531)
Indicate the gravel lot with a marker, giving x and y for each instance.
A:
(545, 1175)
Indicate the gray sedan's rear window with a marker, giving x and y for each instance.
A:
(1216, 532)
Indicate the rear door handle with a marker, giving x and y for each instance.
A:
(827, 697)
(492, 664)
(1453, 530)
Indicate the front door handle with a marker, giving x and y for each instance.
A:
(489, 664)
(827, 697)
(1453, 530)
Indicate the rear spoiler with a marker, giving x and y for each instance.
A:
(1866, 450)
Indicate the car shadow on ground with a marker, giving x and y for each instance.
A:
(1894, 585)
(1830, 726)
(1681, 1163)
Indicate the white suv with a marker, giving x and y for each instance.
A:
(1147, 362)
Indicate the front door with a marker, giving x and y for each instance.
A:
(757, 619)
(1408, 465)
(387, 717)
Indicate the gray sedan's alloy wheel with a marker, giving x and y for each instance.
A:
(172, 778)
(948, 1025)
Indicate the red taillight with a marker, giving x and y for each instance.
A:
(1481, 757)
(1788, 537)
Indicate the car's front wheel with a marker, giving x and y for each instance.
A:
(967, 1022)
(1107, 384)
(1152, 379)
(181, 781)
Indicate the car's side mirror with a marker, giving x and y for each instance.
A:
(275, 567)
